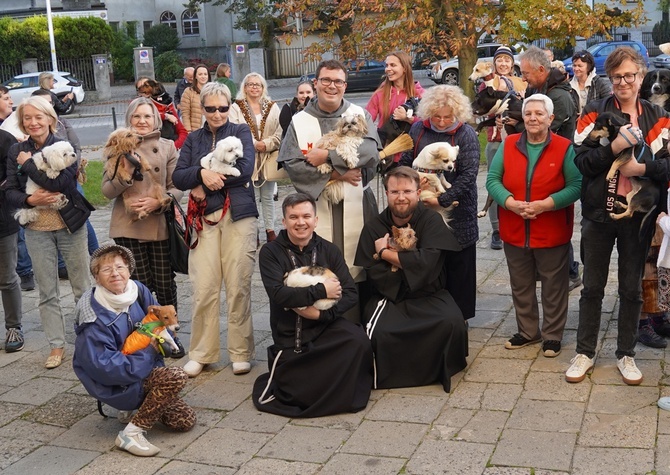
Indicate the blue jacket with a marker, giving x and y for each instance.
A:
(187, 174)
(107, 374)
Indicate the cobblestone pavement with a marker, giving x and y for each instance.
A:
(510, 412)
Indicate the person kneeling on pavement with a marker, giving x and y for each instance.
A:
(104, 317)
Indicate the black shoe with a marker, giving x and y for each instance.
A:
(62, 273)
(518, 341)
(574, 283)
(178, 354)
(496, 242)
(661, 325)
(648, 337)
(27, 282)
(551, 348)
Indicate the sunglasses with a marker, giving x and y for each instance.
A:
(212, 109)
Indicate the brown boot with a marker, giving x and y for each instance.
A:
(271, 236)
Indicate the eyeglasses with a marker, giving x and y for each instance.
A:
(629, 78)
(437, 118)
(108, 270)
(212, 109)
(253, 84)
(396, 193)
(327, 82)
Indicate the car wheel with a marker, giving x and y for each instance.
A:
(450, 77)
(70, 108)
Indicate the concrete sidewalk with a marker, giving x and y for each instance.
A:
(510, 412)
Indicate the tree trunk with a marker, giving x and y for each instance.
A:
(467, 58)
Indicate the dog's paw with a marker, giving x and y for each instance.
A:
(482, 214)
(325, 168)
(234, 172)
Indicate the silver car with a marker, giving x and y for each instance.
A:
(23, 85)
(446, 70)
(661, 61)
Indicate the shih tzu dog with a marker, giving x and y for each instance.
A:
(224, 157)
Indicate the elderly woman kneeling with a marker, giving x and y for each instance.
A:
(104, 317)
(534, 179)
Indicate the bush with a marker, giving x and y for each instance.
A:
(211, 65)
(168, 66)
(661, 32)
(162, 38)
(122, 55)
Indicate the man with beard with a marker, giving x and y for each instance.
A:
(417, 331)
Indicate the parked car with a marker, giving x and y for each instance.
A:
(601, 51)
(446, 71)
(362, 74)
(23, 85)
(662, 61)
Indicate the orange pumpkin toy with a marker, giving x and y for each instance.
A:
(154, 325)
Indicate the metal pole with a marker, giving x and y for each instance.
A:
(114, 117)
(52, 42)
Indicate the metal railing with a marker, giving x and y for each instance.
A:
(288, 63)
(82, 69)
(648, 42)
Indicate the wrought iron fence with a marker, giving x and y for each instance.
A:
(648, 42)
(288, 63)
(82, 69)
(8, 71)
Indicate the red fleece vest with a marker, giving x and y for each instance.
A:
(551, 228)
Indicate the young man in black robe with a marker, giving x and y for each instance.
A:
(418, 333)
(320, 364)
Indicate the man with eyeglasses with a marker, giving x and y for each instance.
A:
(647, 134)
(338, 223)
(417, 330)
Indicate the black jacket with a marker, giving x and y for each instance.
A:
(59, 106)
(8, 224)
(559, 90)
(76, 211)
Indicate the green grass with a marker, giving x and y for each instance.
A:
(92, 187)
(482, 146)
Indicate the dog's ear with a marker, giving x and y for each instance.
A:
(490, 91)
(155, 309)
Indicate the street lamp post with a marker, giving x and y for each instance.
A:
(52, 42)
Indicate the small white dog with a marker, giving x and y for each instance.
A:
(51, 160)
(307, 276)
(224, 157)
(435, 159)
(345, 139)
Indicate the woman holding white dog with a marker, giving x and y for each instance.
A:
(146, 238)
(105, 316)
(226, 250)
(444, 112)
(54, 230)
(255, 108)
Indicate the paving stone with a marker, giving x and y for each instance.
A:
(431, 390)
(662, 465)
(538, 449)
(486, 370)
(484, 427)
(606, 399)
(263, 466)
(407, 408)
(306, 444)
(37, 391)
(467, 395)
(12, 450)
(485, 320)
(558, 416)
(22, 429)
(449, 457)
(100, 434)
(501, 397)
(450, 422)
(499, 303)
(362, 465)
(64, 410)
(214, 394)
(606, 372)
(553, 387)
(172, 443)
(123, 463)
(385, 439)
(349, 421)
(246, 417)
(635, 430)
(509, 471)
(10, 411)
(591, 460)
(224, 447)
(61, 461)
(177, 467)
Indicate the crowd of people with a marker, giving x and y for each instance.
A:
(370, 311)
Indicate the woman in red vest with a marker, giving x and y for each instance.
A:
(534, 180)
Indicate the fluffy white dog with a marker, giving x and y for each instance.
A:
(345, 139)
(435, 159)
(307, 276)
(224, 157)
(51, 160)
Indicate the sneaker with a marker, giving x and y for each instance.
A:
(518, 341)
(62, 273)
(14, 340)
(661, 325)
(27, 282)
(628, 369)
(193, 368)
(178, 353)
(580, 364)
(648, 337)
(551, 348)
(496, 242)
(241, 367)
(574, 283)
(136, 444)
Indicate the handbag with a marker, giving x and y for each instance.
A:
(267, 169)
(176, 225)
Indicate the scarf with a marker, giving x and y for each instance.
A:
(250, 118)
(117, 303)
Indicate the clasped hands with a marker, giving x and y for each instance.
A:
(528, 209)
(319, 156)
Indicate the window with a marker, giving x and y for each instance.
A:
(168, 18)
(254, 28)
(114, 25)
(189, 23)
(131, 28)
(146, 25)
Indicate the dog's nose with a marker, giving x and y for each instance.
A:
(176, 328)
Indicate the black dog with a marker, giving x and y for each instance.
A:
(645, 195)
(656, 88)
(497, 103)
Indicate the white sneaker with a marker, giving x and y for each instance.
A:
(136, 444)
(628, 369)
(241, 367)
(580, 364)
(193, 368)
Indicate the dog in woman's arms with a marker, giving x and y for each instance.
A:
(307, 276)
(431, 163)
(224, 157)
(154, 325)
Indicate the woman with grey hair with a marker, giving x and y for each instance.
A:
(146, 238)
(223, 212)
(54, 229)
(535, 182)
(46, 81)
(445, 112)
(255, 108)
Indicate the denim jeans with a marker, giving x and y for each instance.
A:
(24, 266)
(43, 247)
(265, 194)
(597, 242)
(92, 238)
(9, 281)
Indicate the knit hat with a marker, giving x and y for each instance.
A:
(503, 50)
(111, 248)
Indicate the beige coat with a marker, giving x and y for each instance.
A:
(191, 110)
(162, 157)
